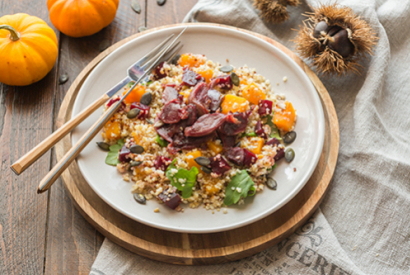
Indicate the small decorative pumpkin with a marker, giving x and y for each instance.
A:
(78, 18)
(28, 49)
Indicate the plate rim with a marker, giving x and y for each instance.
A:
(285, 199)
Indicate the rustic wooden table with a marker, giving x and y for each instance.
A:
(45, 233)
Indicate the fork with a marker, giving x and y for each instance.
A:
(134, 72)
(137, 74)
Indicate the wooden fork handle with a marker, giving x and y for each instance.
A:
(70, 156)
(25, 161)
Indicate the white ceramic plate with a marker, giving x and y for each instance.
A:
(218, 44)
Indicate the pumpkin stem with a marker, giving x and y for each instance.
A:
(14, 35)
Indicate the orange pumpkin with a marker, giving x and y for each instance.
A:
(78, 18)
(28, 49)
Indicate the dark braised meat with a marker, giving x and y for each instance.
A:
(236, 125)
(171, 112)
(199, 97)
(227, 141)
(224, 82)
(180, 141)
(191, 78)
(205, 125)
(170, 93)
(188, 113)
(215, 99)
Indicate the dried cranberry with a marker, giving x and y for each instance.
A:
(205, 125)
(219, 165)
(215, 99)
(159, 71)
(223, 82)
(170, 112)
(144, 110)
(170, 93)
(259, 130)
(112, 101)
(190, 78)
(280, 153)
(241, 157)
(249, 159)
(199, 97)
(172, 200)
(273, 142)
(123, 156)
(230, 128)
(265, 107)
(162, 163)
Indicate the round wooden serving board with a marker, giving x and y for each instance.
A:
(196, 249)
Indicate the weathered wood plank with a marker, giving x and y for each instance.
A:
(72, 243)
(171, 13)
(26, 118)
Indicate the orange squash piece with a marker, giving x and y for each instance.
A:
(253, 93)
(207, 74)
(285, 119)
(234, 104)
(256, 144)
(185, 94)
(135, 95)
(137, 137)
(214, 147)
(112, 130)
(191, 60)
(190, 159)
(210, 185)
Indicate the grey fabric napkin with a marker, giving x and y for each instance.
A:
(363, 225)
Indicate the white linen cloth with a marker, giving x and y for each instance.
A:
(363, 225)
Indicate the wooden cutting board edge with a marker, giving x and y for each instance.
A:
(201, 255)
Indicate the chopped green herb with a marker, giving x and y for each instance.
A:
(184, 180)
(241, 185)
(112, 156)
(129, 85)
(274, 130)
(252, 134)
(162, 142)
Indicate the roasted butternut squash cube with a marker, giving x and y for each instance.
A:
(253, 93)
(191, 60)
(255, 144)
(135, 95)
(215, 146)
(234, 104)
(207, 74)
(112, 130)
(190, 159)
(285, 119)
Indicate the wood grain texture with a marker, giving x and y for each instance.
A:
(72, 243)
(212, 248)
(26, 118)
(171, 13)
(25, 161)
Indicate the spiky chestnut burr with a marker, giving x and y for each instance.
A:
(275, 11)
(335, 38)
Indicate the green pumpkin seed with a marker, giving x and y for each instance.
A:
(206, 169)
(289, 137)
(135, 5)
(289, 154)
(161, 2)
(271, 183)
(135, 163)
(133, 113)
(104, 146)
(140, 198)
(63, 79)
(149, 121)
(104, 45)
(146, 98)
(142, 29)
(226, 69)
(175, 59)
(137, 149)
(235, 79)
(203, 161)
